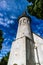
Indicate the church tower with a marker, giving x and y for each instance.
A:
(22, 50)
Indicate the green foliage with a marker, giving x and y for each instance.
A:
(36, 9)
(31, 1)
(1, 38)
(4, 60)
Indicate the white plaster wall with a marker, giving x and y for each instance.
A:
(39, 45)
(18, 52)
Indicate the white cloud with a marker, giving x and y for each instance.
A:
(10, 21)
(1, 19)
(13, 17)
(3, 4)
(1, 14)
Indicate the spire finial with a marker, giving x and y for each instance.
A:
(24, 15)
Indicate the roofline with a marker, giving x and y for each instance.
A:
(38, 35)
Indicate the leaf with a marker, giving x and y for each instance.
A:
(36, 9)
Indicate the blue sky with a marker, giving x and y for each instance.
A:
(10, 10)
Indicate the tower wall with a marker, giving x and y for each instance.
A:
(22, 50)
(18, 52)
(24, 28)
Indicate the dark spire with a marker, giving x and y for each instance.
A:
(24, 15)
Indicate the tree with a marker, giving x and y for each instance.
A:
(1, 38)
(4, 60)
(31, 1)
(36, 8)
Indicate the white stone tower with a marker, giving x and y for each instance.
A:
(22, 50)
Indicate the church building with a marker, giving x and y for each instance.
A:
(22, 50)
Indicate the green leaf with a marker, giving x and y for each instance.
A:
(1, 39)
(36, 9)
